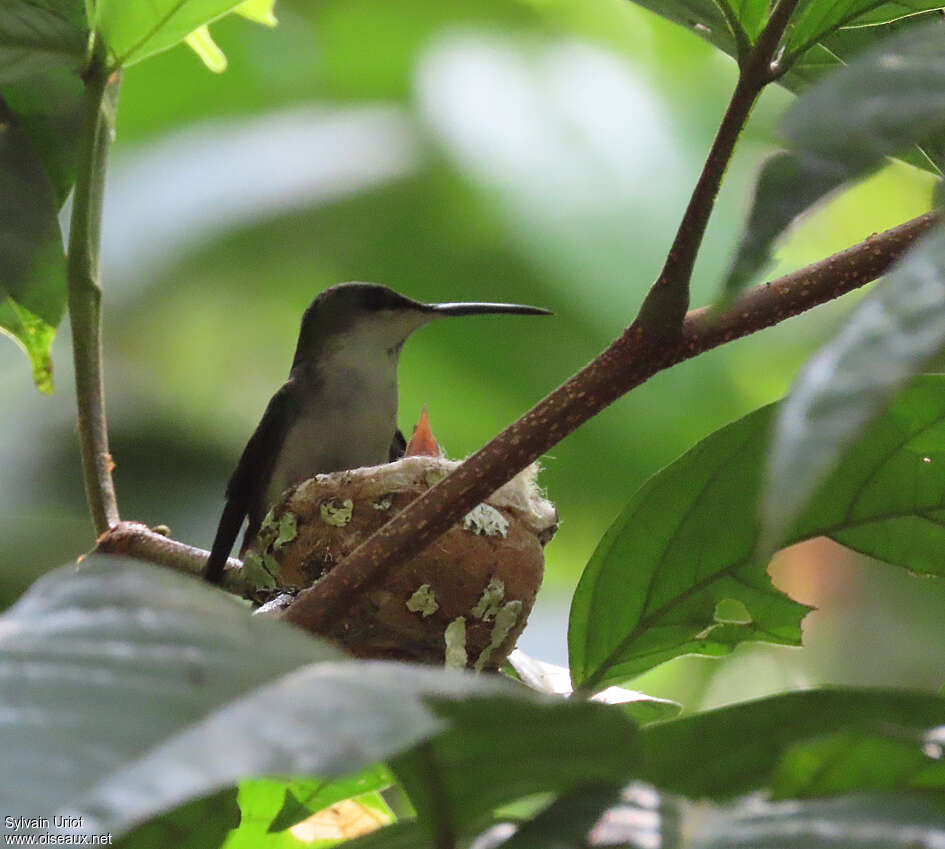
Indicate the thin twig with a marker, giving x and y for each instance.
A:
(136, 540)
(85, 293)
(628, 362)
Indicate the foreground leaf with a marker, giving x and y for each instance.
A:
(890, 336)
(688, 539)
(33, 336)
(498, 750)
(864, 821)
(119, 676)
(99, 666)
(732, 750)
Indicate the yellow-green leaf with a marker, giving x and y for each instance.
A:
(202, 43)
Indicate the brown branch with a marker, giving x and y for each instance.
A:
(665, 305)
(136, 540)
(628, 362)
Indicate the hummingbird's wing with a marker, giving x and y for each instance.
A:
(251, 477)
(397, 447)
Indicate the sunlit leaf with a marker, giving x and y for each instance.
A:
(134, 31)
(891, 334)
(33, 336)
(206, 48)
(258, 11)
(688, 539)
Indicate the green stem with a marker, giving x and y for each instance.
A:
(85, 293)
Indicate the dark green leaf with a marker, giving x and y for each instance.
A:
(500, 749)
(36, 36)
(201, 824)
(787, 185)
(888, 338)
(48, 108)
(864, 821)
(881, 105)
(853, 759)
(565, 823)
(32, 259)
(687, 540)
(732, 750)
(120, 675)
(400, 835)
(99, 666)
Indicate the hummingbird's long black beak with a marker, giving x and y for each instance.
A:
(478, 308)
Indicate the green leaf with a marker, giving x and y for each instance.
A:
(851, 759)
(48, 109)
(99, 666)
(33, 336)
(844, 128)
(134, 31)
(566, 822)
(499, 749)
(736, 749)
(863, 821)
(118, 676)
(701, 16)
(201, 824)
(752, 15)
(889, 337)
(201, 42)
(269, 807)
(688, 539)
(32, 260)
(36, 36)
(401, 835)
(258, 11)
(302, 798)
(818, 19)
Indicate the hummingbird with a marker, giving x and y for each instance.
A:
(338, 409)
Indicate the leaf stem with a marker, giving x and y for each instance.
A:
(626, 363)
(85, 292)
(666, 303)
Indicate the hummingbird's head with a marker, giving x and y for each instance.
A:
(372, 320)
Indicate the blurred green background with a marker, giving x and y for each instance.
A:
(538, 151)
